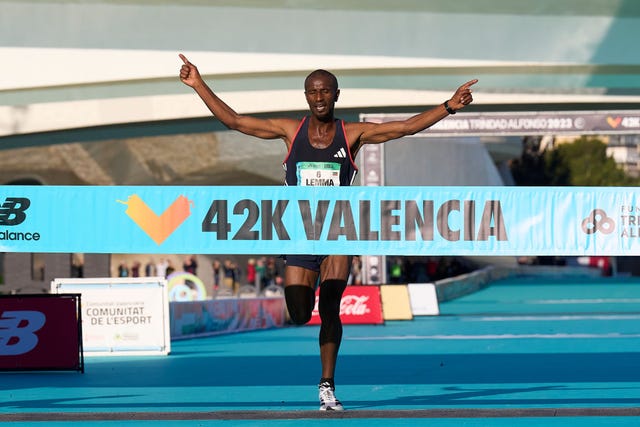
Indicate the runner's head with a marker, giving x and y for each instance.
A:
(321, 91)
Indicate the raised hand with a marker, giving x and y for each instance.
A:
(463, 96)
(189, 73)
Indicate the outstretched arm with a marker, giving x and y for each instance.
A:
(261, 128)
(375, 133)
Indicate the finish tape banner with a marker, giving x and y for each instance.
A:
(328, 220)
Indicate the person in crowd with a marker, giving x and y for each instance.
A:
(218, 274)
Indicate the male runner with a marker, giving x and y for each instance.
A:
(321, 151)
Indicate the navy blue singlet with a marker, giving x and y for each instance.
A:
(309, 166)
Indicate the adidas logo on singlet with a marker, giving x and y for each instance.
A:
(341, 154)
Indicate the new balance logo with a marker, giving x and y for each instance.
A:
(341, 154)
(12, 210)
(17, 331)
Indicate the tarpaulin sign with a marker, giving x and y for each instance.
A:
(41, 332)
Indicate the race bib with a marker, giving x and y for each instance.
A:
(315, 174)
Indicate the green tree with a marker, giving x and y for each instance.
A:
(583, 162)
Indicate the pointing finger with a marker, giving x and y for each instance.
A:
(469, 83)
(184, 59)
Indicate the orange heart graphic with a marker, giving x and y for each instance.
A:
(614, 122)
(158, 227)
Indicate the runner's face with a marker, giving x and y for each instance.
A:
(321, 95)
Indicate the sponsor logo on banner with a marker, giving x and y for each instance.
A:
(614, 122)
(185, 286)
(158, 227)
(598, 221)
(359, 305)
(13, 213)
(40, 332)
(12, 210)
(18, 331)
(624, 122)
(627, 224)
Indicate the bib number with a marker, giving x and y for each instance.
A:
(318, 174)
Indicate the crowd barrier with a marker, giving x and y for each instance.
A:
(191, 319)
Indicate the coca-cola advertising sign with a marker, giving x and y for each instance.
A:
(359, 305)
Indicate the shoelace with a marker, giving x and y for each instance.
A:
(326, 393)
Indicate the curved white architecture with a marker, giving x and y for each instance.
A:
(73, 64)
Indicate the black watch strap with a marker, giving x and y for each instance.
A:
(449, 109)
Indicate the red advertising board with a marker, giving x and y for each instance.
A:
(40, 332)
(359, 305)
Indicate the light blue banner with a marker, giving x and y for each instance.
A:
(327, 220)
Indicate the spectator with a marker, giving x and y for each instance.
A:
(161, 267)
(216, 266)
(150, 268)
(261, 269)
(123, 270)
(230, 277)
(355, 276)
(251, 273)
(396, 270)
(135, 269)
(170, 268)
(271, 272)
(190, 265)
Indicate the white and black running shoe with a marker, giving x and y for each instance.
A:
(328, 400)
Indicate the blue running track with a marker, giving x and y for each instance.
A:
(526, 351)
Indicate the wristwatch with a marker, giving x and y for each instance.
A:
(449, 109)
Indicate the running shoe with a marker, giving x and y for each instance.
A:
(328, 400)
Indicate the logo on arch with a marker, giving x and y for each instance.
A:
(158, 227)
(614, 122)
